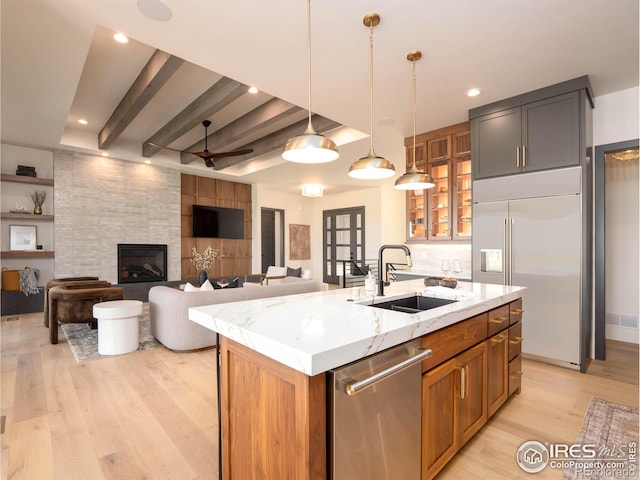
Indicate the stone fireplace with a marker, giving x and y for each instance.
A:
(139, 262)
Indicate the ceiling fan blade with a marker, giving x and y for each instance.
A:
(233, 153)
(167, 148)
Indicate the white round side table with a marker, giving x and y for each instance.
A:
(118, 326)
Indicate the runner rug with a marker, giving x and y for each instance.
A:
(613, 429)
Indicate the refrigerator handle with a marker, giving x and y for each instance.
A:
(504, 252)
(511, 252)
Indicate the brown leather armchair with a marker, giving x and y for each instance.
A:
(56, 282)
(73, 303)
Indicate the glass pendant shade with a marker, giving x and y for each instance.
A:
(310, 147)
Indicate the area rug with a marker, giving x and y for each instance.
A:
(613, 429)
(84, 341)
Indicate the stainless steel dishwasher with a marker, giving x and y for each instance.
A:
(375, 417)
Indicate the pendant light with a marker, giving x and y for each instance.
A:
(310, 147)
(414, 179)
(371, 166)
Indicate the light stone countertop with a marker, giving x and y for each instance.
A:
(319, 331)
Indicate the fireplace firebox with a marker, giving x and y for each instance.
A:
(139, 262)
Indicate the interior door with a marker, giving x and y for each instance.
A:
(343, 240)
(546, 240)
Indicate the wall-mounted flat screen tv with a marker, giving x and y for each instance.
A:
(217, 222)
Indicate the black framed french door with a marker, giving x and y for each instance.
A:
(343, 239)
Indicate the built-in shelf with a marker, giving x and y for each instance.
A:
(26, 216)
(27, 254)
(5, 177)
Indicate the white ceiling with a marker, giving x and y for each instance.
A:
(59, 64)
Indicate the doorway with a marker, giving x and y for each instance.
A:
(271, 237)
(343, 233)
(616, 167)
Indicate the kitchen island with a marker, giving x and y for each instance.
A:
(275, 355)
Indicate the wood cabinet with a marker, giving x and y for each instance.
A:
(540, 130)
(454, 407)
(273, 418)
(466, 380)
(497, 371)
(515, 346)
(443, 212)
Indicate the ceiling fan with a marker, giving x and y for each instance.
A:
(206, 155)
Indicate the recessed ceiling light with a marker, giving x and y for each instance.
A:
(82, 121)
(154, 9)
(120, 37)
(473, 92)
(253, 90)
(148, 162)
(104, 154)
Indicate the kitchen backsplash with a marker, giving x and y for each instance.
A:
(427, 258)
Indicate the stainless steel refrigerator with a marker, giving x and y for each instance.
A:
(530, 230)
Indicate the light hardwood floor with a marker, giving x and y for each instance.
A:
(152, 414)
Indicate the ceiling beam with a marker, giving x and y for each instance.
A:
(261, 117)
(160, 67)
(221, 94)
(277, 140)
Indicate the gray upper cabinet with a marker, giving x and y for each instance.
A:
(536, 131)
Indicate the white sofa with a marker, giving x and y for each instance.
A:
(169, 309)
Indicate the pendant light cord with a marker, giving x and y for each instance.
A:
(371, 152)
(413, 74)
(309, 126)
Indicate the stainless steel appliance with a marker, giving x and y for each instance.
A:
(529, 230)
(375, 417)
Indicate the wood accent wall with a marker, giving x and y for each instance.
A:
(214, 192)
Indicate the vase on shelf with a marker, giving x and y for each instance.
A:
(203, 276)
(37, 210)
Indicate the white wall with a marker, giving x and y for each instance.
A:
(616, 119)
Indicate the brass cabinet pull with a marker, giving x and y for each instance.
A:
(517, 311)
(524, 156)
(516, 373)
(516, 340)
(498, 339)
(463, 382)
(518, 157)
(498, 319)
(466, 377)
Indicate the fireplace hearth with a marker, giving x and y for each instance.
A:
(139, 262)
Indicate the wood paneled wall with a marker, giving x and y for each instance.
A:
(215, 193)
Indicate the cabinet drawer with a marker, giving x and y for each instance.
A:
(515, 311)
(515, 340)
(450, 341)
(498, 320)
(515, 375)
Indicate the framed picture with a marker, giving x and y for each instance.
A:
(22, 237)
(299, 242)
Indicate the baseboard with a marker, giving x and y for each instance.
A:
(622, 334)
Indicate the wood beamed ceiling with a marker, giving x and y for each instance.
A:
(274, 122)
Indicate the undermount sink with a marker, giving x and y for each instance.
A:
(413, 304)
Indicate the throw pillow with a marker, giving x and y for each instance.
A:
(206, 286)
(190, 288)
(294, 272)
(306, 274)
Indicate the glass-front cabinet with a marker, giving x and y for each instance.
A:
(443, 212)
